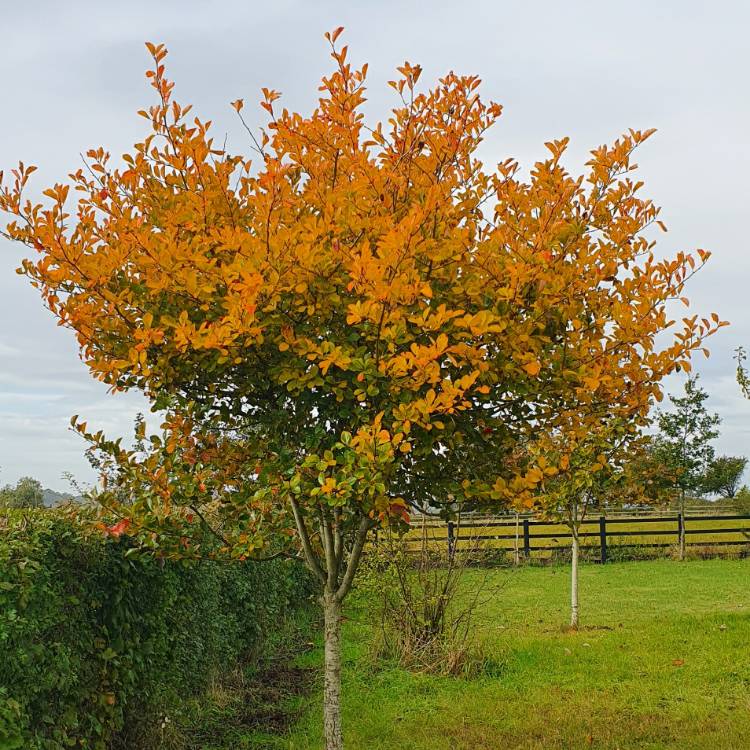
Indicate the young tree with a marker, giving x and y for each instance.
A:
(353, 324)
(742, 375)
(684, 443)
(574, 492)
(724, 476)
(604, 469)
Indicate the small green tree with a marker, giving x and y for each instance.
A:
(683, 444)
(724, 475)
(742, 500)
(601, 471)
(569, 496)
(27, 493)
(742, 375)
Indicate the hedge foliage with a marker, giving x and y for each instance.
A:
(94, 643)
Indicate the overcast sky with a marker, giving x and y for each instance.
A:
(73, 79)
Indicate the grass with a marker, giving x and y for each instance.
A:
(661, 661)
(250, 707)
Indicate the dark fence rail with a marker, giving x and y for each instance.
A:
(607, 529)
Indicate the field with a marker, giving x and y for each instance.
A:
(661, 661)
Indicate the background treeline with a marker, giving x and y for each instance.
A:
(97, 646)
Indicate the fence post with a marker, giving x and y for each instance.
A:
(680, 528)
(526, 540)
(603, 538)
(451, 539)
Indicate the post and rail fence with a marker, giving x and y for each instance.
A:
(528, 534)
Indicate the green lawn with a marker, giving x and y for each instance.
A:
(662, 661)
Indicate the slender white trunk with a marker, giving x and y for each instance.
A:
(516, 559)
(682, 525)
(574, 581)
(332, 674)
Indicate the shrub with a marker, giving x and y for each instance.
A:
(94, 643)
(417, 590)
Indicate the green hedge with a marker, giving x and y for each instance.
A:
(94, 644)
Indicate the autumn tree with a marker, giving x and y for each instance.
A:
(572, 494)
(350, 320)
(684, 443)
(602, 470)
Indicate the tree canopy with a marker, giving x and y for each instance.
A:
(26, 493)
(354, 317)
(724, 476)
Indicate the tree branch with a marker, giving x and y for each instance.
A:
(304, 536)
(351, 567)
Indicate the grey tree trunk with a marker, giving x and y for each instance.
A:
(335, 570)
(332, 673)
(574, 582)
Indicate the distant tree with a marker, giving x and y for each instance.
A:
(683, 444)
(742, 499)
(27, 493)
(644, 479)
(723, 476)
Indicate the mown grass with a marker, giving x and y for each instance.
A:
(662, 661)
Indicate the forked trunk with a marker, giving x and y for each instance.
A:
(332, 674)
(574, 582)
(335, 571)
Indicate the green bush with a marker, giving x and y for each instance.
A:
(94, 644)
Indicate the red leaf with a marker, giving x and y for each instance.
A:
(119, 528)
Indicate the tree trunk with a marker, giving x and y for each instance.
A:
(682, 525)
(332, 674)
(574, 582)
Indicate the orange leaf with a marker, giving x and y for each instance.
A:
(532, 368)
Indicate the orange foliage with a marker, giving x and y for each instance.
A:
(379, 277)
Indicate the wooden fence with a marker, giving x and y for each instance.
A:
(525, 535)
